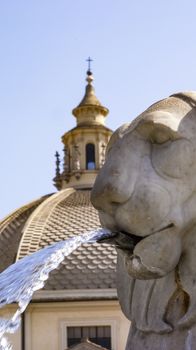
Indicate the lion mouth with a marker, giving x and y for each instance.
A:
(127, 241)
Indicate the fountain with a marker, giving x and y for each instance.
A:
(146, 194)
(20, 280)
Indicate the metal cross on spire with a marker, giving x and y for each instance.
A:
(89, 60)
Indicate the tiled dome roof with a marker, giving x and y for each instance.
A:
(57, 217)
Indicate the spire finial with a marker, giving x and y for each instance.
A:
(89, 60)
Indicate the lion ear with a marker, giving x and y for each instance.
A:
(188, 96)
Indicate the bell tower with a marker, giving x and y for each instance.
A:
(84, 145)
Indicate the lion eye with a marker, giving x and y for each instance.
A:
(157, 133)
(173, 158)
(160, 137)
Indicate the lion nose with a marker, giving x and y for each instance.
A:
(110, 190)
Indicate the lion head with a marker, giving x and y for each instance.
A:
(146, 191)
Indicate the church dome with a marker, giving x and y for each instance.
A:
(68, 212)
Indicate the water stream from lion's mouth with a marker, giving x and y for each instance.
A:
(20, 280)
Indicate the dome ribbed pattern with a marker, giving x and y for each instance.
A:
(11, 229)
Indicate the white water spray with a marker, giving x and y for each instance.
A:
(20, 280)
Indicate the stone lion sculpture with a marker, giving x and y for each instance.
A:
(146, 192)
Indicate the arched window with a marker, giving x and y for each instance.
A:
(90, 156)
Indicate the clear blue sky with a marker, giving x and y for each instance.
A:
(142, 51)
